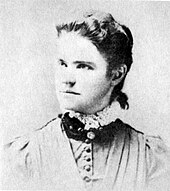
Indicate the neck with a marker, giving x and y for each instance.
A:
(88, 111)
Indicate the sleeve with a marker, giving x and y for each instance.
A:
(16, 163)
(26, 160)
(158, 164)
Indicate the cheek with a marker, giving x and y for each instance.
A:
(95, 86)
(59, 76)
(57, 83)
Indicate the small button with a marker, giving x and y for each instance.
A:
(87, 159)
(87, 149)
(100, 128)
(90, 135)
(87, 141)
(87, 168)
(86, 178)
(80, 129)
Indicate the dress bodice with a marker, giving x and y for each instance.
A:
(47, 159)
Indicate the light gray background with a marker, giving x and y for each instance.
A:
(27, 53)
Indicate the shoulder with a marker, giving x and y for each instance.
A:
(155, 149)
(158, 153)
(158, 164)
(28, 142)
(130, 134)
(22, 155)
(156, 158)
(154, 146)
(21, 143)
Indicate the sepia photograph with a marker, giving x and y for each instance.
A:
(84, 95)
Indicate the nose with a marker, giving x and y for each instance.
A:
(69, 79)
(70, 83)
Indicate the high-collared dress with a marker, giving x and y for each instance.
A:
(124, 160)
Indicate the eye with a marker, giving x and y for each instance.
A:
(62, 63)
(84, 66)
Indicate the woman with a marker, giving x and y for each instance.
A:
(88, 147)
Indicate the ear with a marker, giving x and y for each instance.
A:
(118, 74)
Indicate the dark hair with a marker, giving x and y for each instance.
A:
(113, 40)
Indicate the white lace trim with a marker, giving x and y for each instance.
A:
(101, 118)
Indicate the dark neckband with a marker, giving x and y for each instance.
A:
(74, 129)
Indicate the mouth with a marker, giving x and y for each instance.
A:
(70, 92)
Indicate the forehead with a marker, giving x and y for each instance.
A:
(71, 46)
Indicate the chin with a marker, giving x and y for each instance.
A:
(70, 107)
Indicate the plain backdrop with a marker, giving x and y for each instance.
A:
(28, 52)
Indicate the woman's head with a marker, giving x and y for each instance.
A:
(113, 41)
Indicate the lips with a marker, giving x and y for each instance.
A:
(70, 92)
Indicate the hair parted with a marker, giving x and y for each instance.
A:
(113, 40)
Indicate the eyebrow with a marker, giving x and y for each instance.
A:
(61, 60)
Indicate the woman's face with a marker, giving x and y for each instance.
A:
(81, 82)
